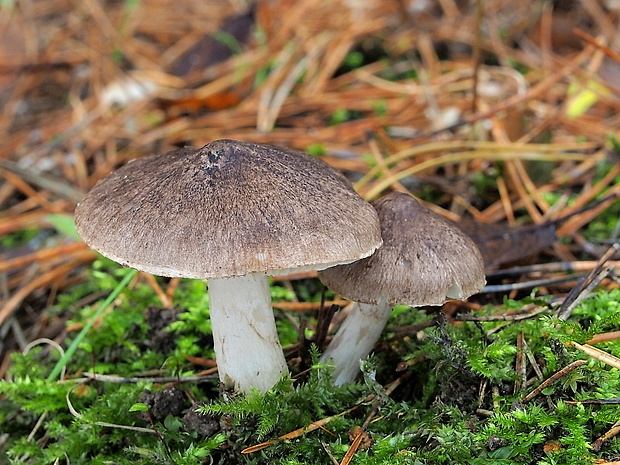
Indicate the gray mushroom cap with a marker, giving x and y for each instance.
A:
(227, 209)
(424, 260)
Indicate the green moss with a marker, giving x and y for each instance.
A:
(456, 401)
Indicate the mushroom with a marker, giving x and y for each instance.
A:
(233, 213)
(424, 260)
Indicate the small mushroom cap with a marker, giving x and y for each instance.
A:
(228, 209)
(424, 259)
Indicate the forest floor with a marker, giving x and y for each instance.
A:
(501, 116)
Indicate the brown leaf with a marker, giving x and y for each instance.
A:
(209, 50)
(503, 244)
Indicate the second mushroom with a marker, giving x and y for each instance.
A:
(424, 260)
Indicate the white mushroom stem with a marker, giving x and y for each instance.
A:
(355, 339)
(247, 348)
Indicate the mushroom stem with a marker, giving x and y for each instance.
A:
(247, 348)
(355, 339)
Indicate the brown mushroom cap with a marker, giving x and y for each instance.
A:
(228, 209)
(423, 260)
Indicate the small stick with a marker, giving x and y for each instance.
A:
(32, 193)
(326, 313)
(530, 356)
(163, 297)
(604, 337)
(585, 265)
(593, 41)
(503, 316)
(584, 289)
(598, 354)
(477, 56)
(520, 367)
(598, 444)
(553, 378)
(205, 375)
(300, 431)
(78, 415)
(61, 251)
(528, 284)
(42, 180)
(329, 454)
(172, 288)
(578, 293)
(320, 423)
(307, 306)
(354, 447)
(50, 277)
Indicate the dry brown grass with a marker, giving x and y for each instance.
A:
(457, 118)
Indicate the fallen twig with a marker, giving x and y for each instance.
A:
(552, 379)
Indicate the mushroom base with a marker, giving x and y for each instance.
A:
(355, 339)
(247, 348)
